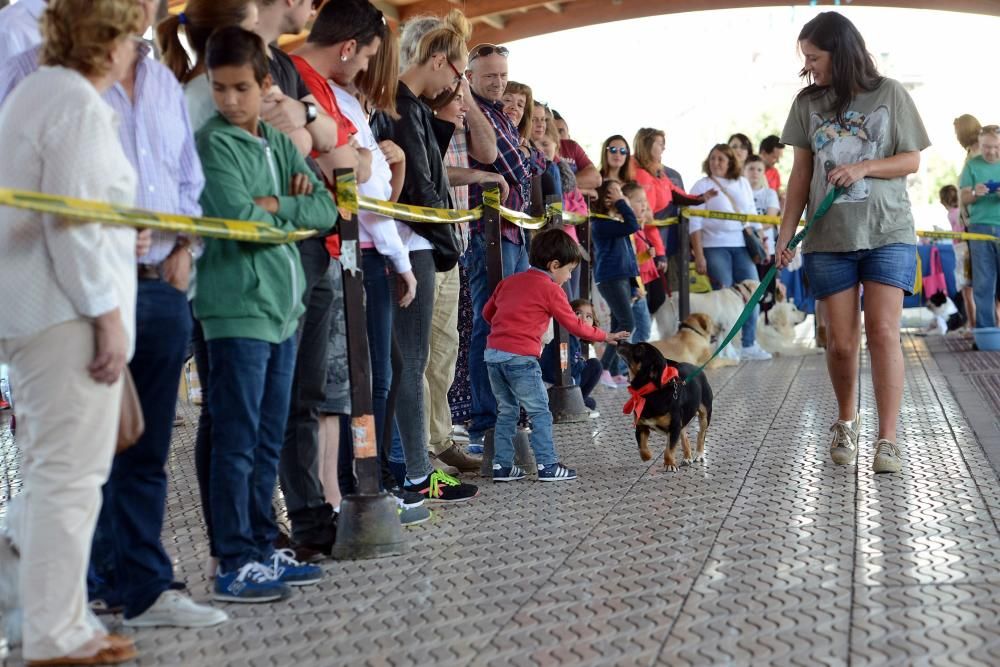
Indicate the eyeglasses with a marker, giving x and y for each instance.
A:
(458, 75)
(615, 150)
(484, 50)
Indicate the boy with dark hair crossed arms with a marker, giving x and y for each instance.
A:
(518, 314)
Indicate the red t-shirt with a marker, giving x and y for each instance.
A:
(573, 153)
(773, 178)
(320, 89)
(519, 312)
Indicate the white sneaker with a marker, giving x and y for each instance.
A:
(179, 611)
(844, 444)
(887, 457)
(754, 353)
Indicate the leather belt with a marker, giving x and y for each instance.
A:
(148, 272)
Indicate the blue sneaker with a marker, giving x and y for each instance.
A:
(511, 474)
(251, 583)
(555, 472)
(476, 444)
(287, 570)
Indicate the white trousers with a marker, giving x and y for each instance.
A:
(67, 427)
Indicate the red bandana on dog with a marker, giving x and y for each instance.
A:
(637, 401)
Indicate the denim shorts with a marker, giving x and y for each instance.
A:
(831, 272)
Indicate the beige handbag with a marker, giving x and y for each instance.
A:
(131, 423)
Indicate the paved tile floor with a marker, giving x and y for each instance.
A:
(765, 554)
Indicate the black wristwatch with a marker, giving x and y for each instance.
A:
(311, 112)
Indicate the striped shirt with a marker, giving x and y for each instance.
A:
(511, 163)
(156, 136)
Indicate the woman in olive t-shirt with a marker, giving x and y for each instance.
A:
(860, 132)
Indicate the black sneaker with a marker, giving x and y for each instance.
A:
(407, 499)
(440, 487)
(555, 472)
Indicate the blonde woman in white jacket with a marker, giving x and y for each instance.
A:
(68, 307)
(718, 246)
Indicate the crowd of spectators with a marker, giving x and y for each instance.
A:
(228, 125)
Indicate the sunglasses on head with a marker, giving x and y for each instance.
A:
(990, 129)
(615, 150)
(488, 49)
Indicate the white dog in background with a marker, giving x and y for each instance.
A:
(776, 331)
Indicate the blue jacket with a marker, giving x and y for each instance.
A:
(614, 257)
(550, 361)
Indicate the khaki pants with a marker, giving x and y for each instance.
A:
(441, 362)
(67, 426)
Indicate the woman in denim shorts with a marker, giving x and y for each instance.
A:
(859, 132)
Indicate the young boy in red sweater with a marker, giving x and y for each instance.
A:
(518, 314)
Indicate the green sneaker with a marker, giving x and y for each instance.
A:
(844, 445)
(887, 457)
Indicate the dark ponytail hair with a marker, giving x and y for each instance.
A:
(199, 20)
(853, 67)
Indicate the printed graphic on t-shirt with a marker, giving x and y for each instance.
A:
(861, 138)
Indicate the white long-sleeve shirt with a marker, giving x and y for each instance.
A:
(382, 232)
(723, 233)
(19, 30)
(52, 270)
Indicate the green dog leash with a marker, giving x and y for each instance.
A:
(768, 279)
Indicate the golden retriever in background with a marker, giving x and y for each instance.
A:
(692, 344)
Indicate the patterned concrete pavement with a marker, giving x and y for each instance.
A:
(766, 554)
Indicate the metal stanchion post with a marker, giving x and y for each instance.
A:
(583, 234)
(494, 274)
(368, 525)
(565, 398)
(684, 252)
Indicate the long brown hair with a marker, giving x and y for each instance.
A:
(627, 171)
(379, 82)
(449, 39)
(853, 68)
(643, 147)
(199, 19)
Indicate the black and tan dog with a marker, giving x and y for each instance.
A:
(662, 401)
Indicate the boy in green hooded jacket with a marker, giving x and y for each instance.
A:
(249, 300)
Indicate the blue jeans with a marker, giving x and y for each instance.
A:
(518, 382)
(127, 537)
(728, 266)
(379, 295)
(515, 260)
(249, 394)
(642, 320)
(618, 295)
(894, 265)
(985, 266)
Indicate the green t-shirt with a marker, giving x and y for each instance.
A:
(984, 210)
(874, 212)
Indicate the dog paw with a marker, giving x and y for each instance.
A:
(670, 468)
(687, 461)
(698, 457)
(645, 454)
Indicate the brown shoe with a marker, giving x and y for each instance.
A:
(118, 649)
(457, 457)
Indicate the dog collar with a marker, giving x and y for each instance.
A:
(637, 400)
(688, 326)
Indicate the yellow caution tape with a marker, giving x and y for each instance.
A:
(349, 199)
(94, 211)
(728, 215)
(964, 236)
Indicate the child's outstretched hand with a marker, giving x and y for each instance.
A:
(613, 338)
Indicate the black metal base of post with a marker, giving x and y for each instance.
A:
(567, 406)
(368, 527)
